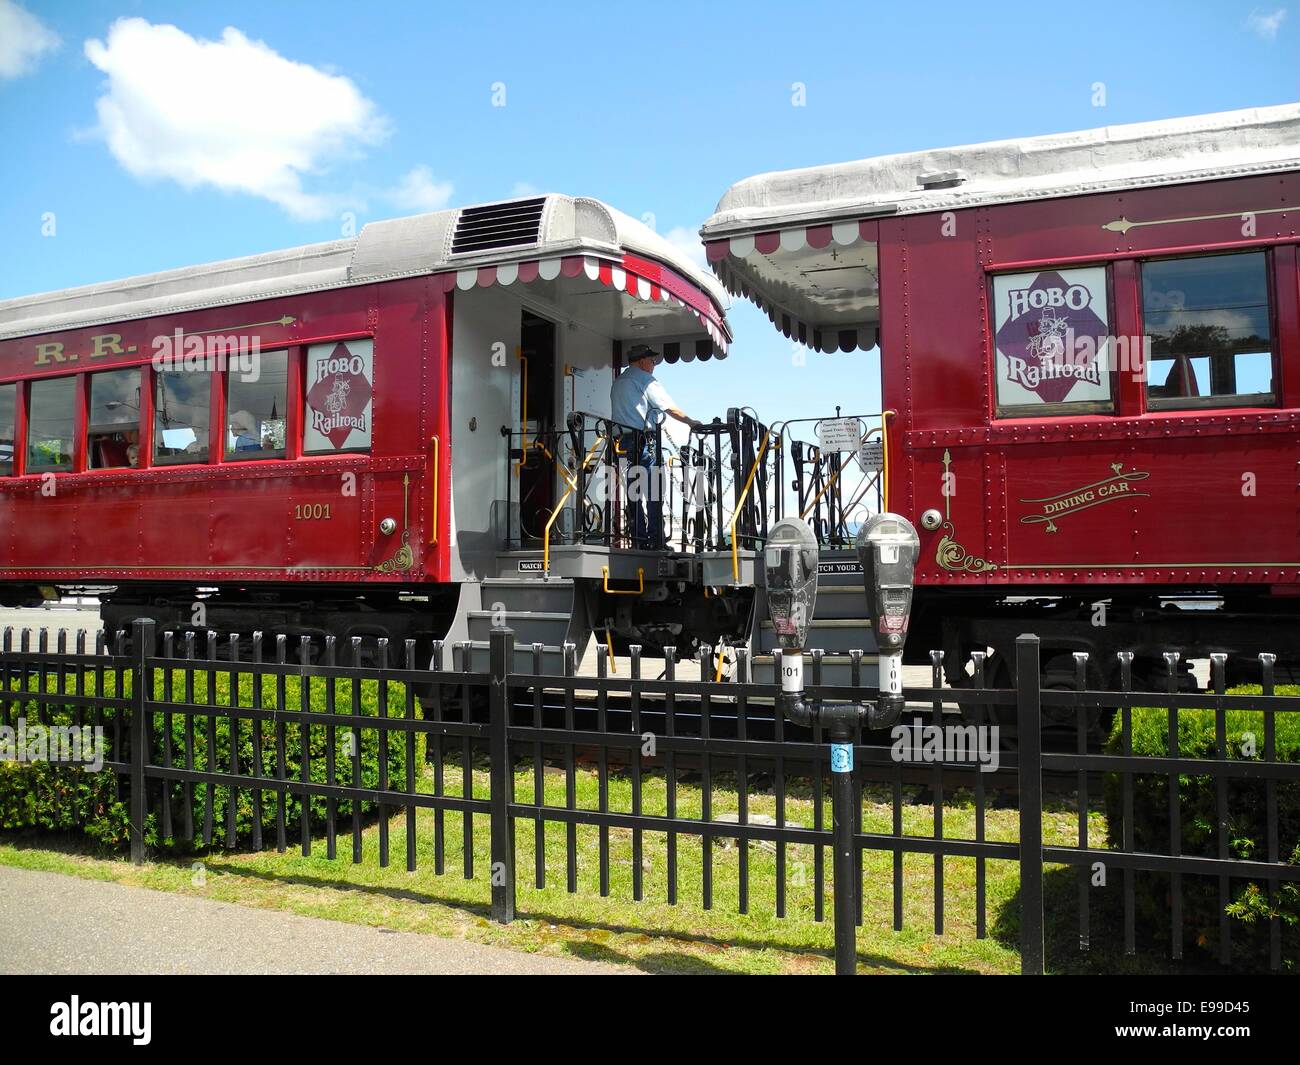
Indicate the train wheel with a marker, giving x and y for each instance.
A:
(1062, 723)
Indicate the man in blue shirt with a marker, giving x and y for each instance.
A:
(639, 403)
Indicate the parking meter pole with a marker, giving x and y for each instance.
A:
(887, 547)
(844, 868)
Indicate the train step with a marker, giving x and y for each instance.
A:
(841, 601)
(546, 611)
(528, 593)
(529, 626)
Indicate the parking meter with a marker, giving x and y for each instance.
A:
(888, 547)
(790, 573)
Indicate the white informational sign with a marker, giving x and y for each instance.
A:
(589, 389)
(839, 434)
(871, 455)
(339, 386)
(1051, 333)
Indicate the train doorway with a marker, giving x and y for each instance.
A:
(536, 416)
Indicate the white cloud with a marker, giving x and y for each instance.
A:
(687, 241)
(24, 39)
(417, 191)
(1266, 25)
(524, 188)
(233, 114)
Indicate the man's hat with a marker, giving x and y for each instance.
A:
(643, 351)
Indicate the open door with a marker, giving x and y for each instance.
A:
(536, 419)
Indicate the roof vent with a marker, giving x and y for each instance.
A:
(941, 179)
(498, 225)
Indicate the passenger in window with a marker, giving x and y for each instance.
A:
(243, 427)
(8, 404)
(256, 426)
(133, 456)
(113, 419)
(6, 449)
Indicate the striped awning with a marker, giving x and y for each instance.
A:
(723, 252)
(642, 279)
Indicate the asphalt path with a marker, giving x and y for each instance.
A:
(51, 923)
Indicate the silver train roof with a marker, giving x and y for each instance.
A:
(1175, 150)
(510, 231)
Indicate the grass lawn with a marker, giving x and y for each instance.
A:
(651, 935)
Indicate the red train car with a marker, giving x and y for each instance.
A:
(1090, 345)
(351, 438)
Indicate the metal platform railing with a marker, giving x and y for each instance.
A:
(580, 485)
(832, 486)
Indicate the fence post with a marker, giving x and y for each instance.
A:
(1029, 729)
(501, 779)
(143, 646)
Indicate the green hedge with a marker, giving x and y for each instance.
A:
(59, 797)
(1249, 907)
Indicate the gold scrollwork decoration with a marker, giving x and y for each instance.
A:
(400, 562)
(950, 555)
(404, 559)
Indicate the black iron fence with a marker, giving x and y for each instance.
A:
(317, 741)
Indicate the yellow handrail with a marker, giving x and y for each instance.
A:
(735, 517)
(609, 648)
(884, 458)
(640, 576)
(564, 472)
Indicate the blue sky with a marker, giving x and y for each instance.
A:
(387, 109)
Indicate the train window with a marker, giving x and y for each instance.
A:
(337, 389)
(113, 421)
(255, 409)
(8, 419)
(181, 416)
(50, 418)
(1211, 341)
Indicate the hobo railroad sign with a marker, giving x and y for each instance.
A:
(1051, 331)
(340, 378)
